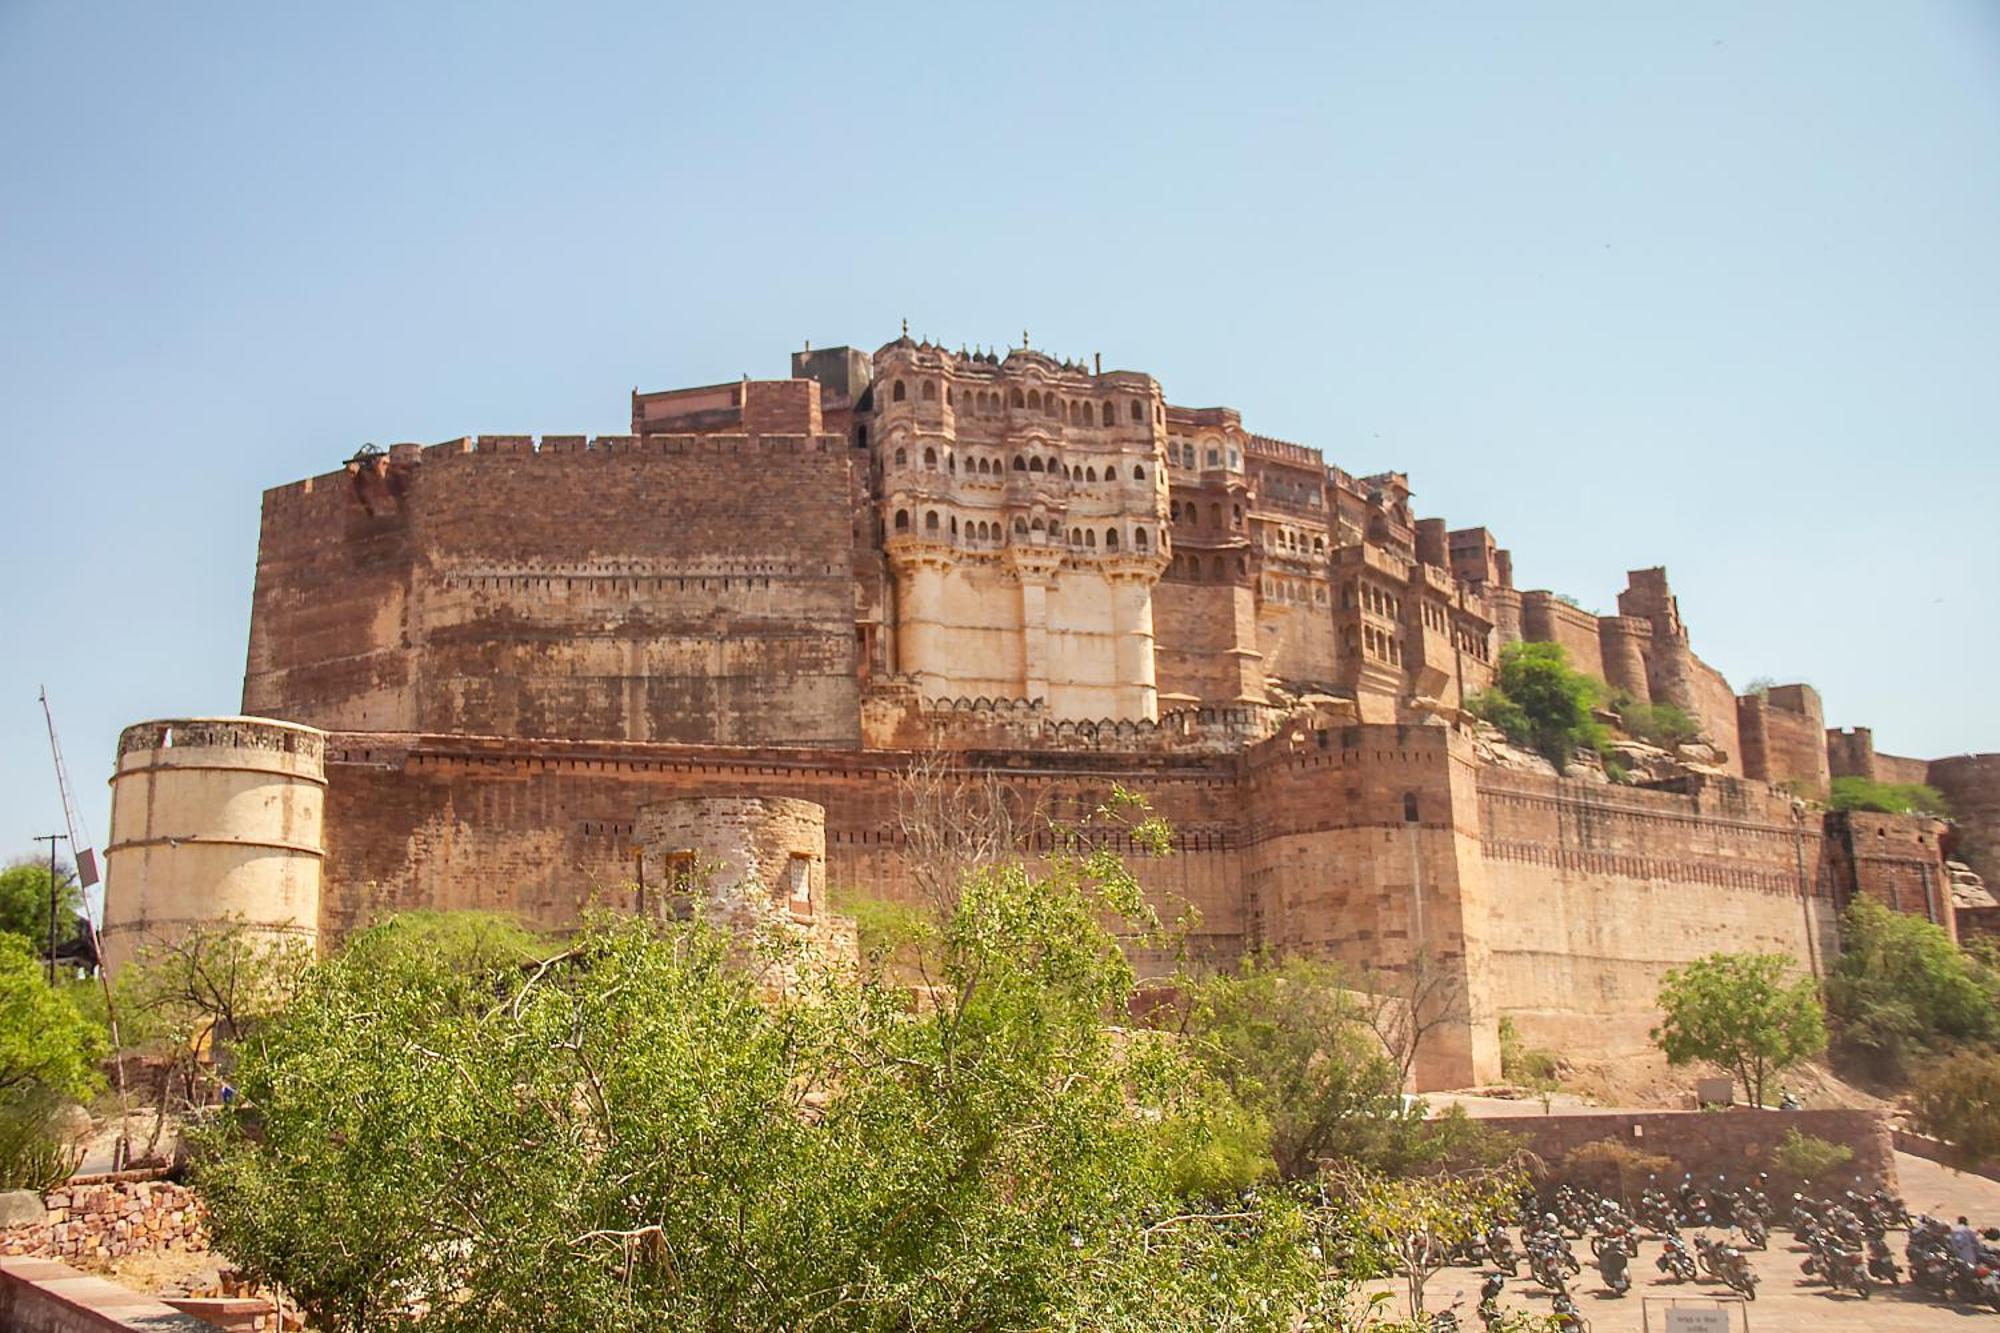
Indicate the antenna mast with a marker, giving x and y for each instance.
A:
(86, 877)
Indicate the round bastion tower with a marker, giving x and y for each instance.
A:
(757, 865)
(214, 820)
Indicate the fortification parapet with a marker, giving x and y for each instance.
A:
(214, 820)
(1971, 787)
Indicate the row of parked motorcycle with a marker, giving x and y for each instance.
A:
(1845, 1239)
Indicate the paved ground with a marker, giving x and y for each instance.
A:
(1783, 1304)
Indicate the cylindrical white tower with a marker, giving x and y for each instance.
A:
(214, 820)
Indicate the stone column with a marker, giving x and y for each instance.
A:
(1034, 634)
(1138, 692)
(921, 635)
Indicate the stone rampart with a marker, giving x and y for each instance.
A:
(1970, 784)
(1594, 892)
(656, 588)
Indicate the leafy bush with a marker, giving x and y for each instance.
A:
(1616, 1170)
(45, 1043)
(48, 1060)
(1807, 1157)
(1957, 1102)
(1901, 987)
(1888, 798)
(1737, 1012)
(1294, 1045)
(1664, 725)
(1541, 703)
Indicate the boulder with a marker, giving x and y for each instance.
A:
(20, 1208)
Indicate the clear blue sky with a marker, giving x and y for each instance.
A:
(1715, 286)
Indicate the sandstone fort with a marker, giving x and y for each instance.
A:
(527, 673)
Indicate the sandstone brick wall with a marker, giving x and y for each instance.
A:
(544, 829)
(1851, 753)
(1594, 892)
(1735, 1143)
(1204, 635)
(665, 589)
(1782, 733)
(1897, 860)
(1362, 848)
(1971, 784)
(1713, 705)
(1545, 619)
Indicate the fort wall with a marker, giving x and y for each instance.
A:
(657, 588)
(1970, 784)
(1546, 618)
(1595, 892)
(1896, 860)
(1782, 733)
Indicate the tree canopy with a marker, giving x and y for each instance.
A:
(1294, 1044)
(24, 904)
(1737, 1011)
(1901, 987)
(631, 1132)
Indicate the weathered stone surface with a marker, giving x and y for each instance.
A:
(21, 1208)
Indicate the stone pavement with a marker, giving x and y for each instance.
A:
(1783, 1304)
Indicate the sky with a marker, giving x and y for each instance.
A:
(1703, 285)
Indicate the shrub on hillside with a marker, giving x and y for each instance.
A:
(1957, 1102)
(1901, 988)
(1887, 798)
(1543, 704)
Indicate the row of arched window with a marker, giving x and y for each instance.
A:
(1184, 454)
(1286, 539)
(1295, 590)
(983, 465)
(1375, 643)
(1372, 599)
(1193, 565)
(1190, 512)
(987, 403)
(1037, 528)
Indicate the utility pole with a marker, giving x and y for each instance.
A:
(55, 896)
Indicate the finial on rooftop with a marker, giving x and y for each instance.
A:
(1024, 340)
(906, 328)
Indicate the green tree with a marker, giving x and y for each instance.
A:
(1888, 798)
(1901, 987)
(1408, 1226)
(1296, 1047)
(628, 1134)
(24, 903)
(1542, 703)
(1957, 1102)
(1737, 1011)
(45, 1044)
(48, 1059)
